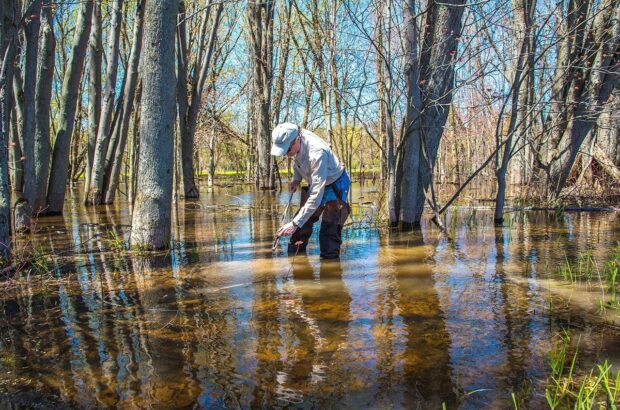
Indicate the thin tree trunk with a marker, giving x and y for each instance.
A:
(129, 94)
(135, 147)
(16, 129)
(8, 18)
(45, 76)
(95, 192)
(31, 52)
(188, 130)
(260, 17)
(284, 48)
(152, 210)
(17, 176)
(211, 157)
(381, 92)
(70, 88)
(523, 11)
(182, 95)
(95, 50)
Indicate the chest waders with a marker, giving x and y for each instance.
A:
(335, 212)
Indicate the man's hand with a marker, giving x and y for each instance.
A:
(293, 186)
(287, 229)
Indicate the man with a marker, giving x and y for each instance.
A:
(327, 194)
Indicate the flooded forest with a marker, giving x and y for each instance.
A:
(310, 204)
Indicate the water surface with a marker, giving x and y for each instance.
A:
(220, 321)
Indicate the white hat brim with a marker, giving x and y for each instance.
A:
(278, 151)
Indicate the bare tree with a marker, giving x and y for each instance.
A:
(190, 108)
(116, 149)
(261, 22)
(95, 51)
(586, 73)
(152, 209)
(523, 24)
(28, 124)
(8, 31)
(430, 83)
(69, 94)
(95, 192)
(43, 95)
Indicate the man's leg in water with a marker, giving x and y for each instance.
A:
(304, 232)
(330, 235)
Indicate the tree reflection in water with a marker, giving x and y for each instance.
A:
(402, 320)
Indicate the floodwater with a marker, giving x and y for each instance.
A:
(402, 320)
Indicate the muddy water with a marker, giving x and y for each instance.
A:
(402, 320)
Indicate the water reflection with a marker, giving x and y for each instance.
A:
(402, 320)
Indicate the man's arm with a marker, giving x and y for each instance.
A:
(296, 175)
(317, 187)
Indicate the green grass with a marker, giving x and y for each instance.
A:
(566, 388)
(116, 242)
(612, 266)
(583, 269)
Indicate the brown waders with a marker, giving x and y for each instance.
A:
(335, 213)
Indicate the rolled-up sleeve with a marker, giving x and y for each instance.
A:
(318, 166)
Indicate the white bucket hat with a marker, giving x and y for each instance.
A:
(282, 137)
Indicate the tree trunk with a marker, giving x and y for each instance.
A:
(381, 94)
(152, 209)
(69, 94)
(284, 48)
(16, 129)
(45, 76)
(610, 127)
(260, 16)
(188, 128)
(31, 52)
(8, 29)
(95, 50)
(15, 154)
(113, 169)
(211, 177)
(95, 192)
(588, 70)
(402, 205)
(523, 11)
(189, 186)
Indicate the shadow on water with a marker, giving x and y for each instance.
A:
(220, 321)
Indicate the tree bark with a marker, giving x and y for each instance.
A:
(95, 192)
(16, 177)
(8, 29)
(188, 127)
(260, 17)
(95, 50)
(152, 209)
(523, 11)
(284, 47)
(45, 76)
(69, 94)
(121, 129)
(587, 73)
(31, 52)
(430, 82)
